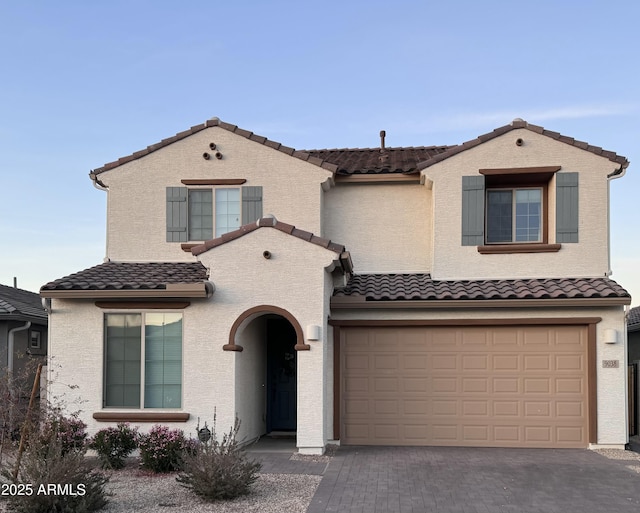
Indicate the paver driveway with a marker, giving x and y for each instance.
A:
(448, 479)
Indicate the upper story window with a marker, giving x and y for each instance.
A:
(508, 210)
(203, 216)
(198, 214)
(514, 215)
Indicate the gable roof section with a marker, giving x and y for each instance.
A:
(359, 161)
(20, 304)
(352, 161)
(368, 289)
(633, 320)
(517, 124)
(227, 126)
(270, 222)
(133, 279)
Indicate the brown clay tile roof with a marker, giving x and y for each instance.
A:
(20, 304)
(349, 161)
(270, 222)
(227, 126)
(374, 160)
(633, 321)
(391, 287)
(131, 276)
(519, 123)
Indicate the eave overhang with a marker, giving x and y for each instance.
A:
(172, 290)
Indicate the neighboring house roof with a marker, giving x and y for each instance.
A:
(20, 304)
(270, 222)
(517, 124)
(633, 320)
(130, 276)
(393, 287)
(211, 123)
(352, 161)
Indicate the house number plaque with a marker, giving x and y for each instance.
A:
(610, 364)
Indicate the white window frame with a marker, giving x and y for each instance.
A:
(213, 190)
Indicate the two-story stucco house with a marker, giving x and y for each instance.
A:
(453, 295)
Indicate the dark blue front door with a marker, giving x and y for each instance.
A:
(281, 376)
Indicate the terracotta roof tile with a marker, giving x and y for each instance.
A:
(131, 276)
(519, 123)
(210, 123)
(351, 161)
(269, 222)
(391, 287)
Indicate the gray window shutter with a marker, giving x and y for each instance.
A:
(176, 214)
(251, 204)
(567, 207)
(473, 210)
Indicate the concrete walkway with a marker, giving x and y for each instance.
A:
(448, 479)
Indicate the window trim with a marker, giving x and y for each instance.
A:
(514, 178)
(213, 208)
(177, 207)
(544, 214)
(142, 407)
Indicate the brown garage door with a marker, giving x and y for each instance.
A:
(504, 386)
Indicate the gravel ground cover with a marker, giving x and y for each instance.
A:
(147, 493)
(136, 490)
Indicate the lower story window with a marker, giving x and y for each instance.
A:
(514, 215)
(143, 360)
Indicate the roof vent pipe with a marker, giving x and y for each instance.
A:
(383, 134)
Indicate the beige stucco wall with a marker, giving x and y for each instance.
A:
(386, 228)
(226, 382)
(294, 279)
(136, 217)
(611, 382)
(589, 257)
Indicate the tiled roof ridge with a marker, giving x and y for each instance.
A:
(520, 123)
(302, 155)
(408, 286)
(270, 222)
(386, 148)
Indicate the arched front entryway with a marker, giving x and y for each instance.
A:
(267, 340)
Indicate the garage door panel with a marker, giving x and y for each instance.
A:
(508, 386)
(478, 385)
(505, 385)
(506, 408)
(569, 362)
(506, 362)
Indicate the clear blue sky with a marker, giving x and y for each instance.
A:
(84, 83)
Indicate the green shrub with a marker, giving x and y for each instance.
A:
(54, 475)
(114, 444)
(219, 469)
(162, 449)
